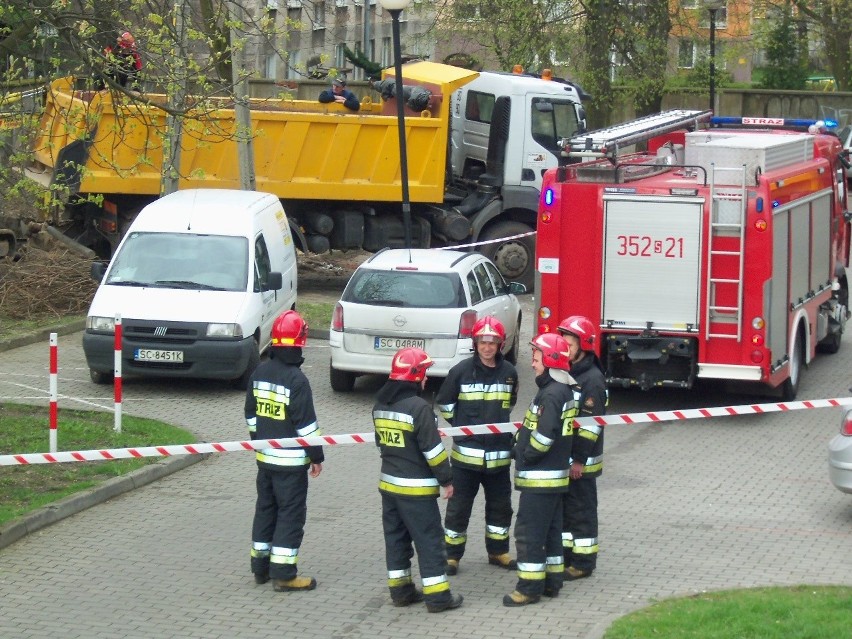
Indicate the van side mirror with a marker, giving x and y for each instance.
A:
(274, 281)
(98, 270)
(516, 288)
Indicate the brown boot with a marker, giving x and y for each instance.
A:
(296, 583)
(572, 574)
(504, 561)
(452, 567)
(515, 599)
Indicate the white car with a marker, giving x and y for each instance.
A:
(840, 455)
(427, 298)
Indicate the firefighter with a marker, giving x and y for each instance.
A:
(580, 503)
(279, 404)
(542, 449)
(414, 467)
(480, 390)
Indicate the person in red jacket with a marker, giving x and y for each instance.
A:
(123, 60)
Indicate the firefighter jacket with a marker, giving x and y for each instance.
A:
(589, 438)
(474, 393)
(414, 460)
(543, 443)
(279, 404)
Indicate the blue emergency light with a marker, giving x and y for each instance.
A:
(779, 122)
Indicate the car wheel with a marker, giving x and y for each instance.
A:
(99, 377)
(512, 353)
(790, 388)
(242, 381)
(514, 259)
(341, 381)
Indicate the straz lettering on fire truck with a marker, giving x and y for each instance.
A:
(271, 409)
(645, 246)
(390, 437)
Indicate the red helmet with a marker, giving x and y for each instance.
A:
(289, 329)
(410, 364)
(582, 328)
(489, 326)
(126, 39)
(554, 349)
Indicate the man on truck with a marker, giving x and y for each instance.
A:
(580, 503)
(340, 94)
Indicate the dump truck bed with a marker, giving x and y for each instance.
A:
(302, 149)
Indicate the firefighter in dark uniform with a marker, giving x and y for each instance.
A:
(542, 449)
(580, 504)
(414, 468)
(279, 404)
(480, 390)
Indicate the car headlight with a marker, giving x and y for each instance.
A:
(100, 324)
(224, 330)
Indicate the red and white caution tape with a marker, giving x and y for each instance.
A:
(364, 438)
(484, 242)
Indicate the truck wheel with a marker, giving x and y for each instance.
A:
(99, 377)
(242, 381)
(830, 344)
(790, 388)
(341, 381)
(514, 259)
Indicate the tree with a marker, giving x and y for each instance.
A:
(832, 21)
(786, 54)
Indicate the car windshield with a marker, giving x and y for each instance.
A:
(408, 289)
(181, 260)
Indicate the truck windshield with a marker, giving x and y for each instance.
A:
(181, 260)
(551, 120)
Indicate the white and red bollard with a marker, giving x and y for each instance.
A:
(117, 375)
(54, 388)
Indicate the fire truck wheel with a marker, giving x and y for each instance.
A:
(514, 259)
(790, 388)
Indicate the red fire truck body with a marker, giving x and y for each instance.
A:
(718, 253)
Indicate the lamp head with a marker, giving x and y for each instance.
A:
(714, 5)
(394, 5)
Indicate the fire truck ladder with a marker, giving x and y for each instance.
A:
(606, 142)
(727, 220)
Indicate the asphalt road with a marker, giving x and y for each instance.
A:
(685, 507)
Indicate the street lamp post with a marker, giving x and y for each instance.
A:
(395, 7)
(713, 6)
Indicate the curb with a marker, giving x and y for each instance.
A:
(73, 504)
(41, 335)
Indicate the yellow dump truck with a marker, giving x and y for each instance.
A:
(475, 153)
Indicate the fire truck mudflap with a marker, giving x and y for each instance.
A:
(651, 278)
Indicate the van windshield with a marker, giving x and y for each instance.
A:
(181, 260)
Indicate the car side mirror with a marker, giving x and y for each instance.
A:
(98, 270)
(274, 281)
(516, 288)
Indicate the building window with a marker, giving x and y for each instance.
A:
(292, 64)
(339, 56)
(721, 18)
(686, 54)
(688, 4)
(319, 14)
(387, 52)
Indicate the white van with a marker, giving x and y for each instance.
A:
(198, 280)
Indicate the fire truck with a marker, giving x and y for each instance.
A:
(719, 252)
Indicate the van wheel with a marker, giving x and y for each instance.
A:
(341, 381)
(99, 377)
(790, 388)
(242, 381)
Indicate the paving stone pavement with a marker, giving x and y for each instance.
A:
(685, 507)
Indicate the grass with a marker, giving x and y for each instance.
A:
(25, 429)
(11, 328)
(798, 612)
(316, 314)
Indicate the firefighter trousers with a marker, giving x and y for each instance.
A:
(538, 540)
(407, 520)
(279, 522)
(497, 487)
(580, 524)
